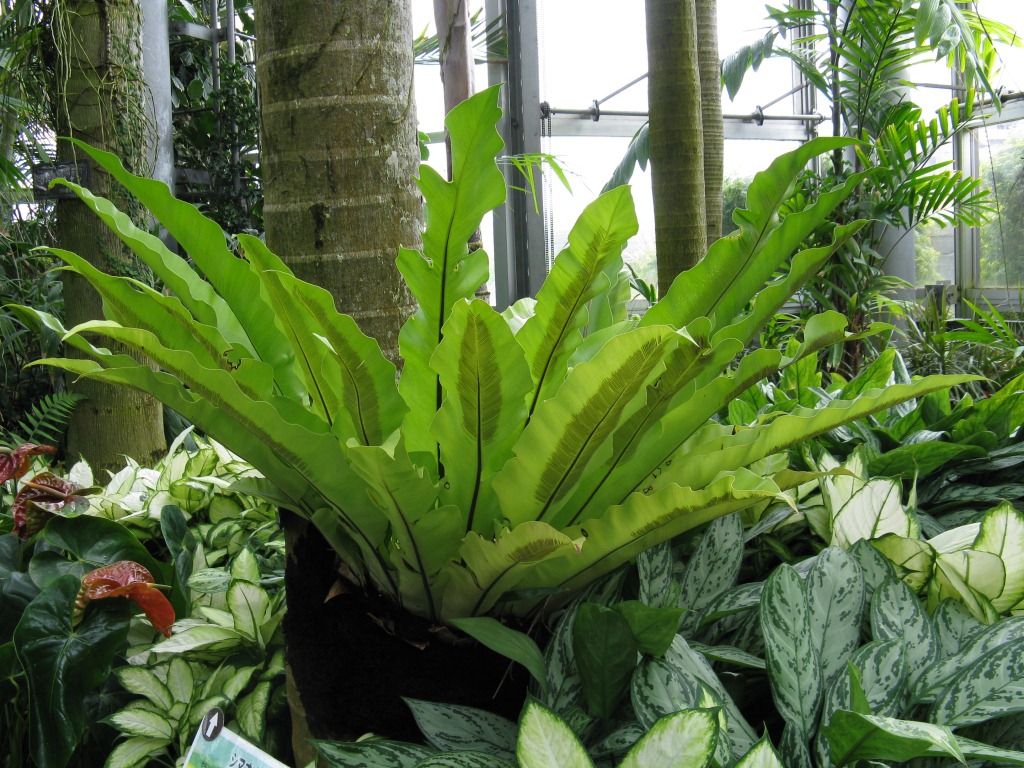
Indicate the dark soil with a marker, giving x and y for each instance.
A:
(351, 672)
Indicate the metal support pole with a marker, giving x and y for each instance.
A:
(528, 261)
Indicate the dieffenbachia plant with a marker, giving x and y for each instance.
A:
(522, 453)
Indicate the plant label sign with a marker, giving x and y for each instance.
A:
(216, 747)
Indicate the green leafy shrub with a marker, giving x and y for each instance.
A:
(521, 454)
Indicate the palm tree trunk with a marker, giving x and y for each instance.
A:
(676, 144)
(451, 17)
(101, 100)
(339, 150)
(711, 114)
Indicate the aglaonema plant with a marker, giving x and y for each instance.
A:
(522, 453)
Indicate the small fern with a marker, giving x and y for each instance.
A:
(45, 423)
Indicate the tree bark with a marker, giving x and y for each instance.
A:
(711, 115)
(676, 144)
(100, 100)
(339, 150)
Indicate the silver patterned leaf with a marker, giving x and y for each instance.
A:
(993, 686)
(835, 589)
(896, 613)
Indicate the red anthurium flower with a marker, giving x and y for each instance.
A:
(126, 579)
(16, 463)
(40, 499)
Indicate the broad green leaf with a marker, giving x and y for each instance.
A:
(142, 722)
(652, 628)
(658, 585)
(142, 682)
(135, 752)
(425, 536)
(680, 740)
(992, 686)
(712, 569)
(450, 727)
(96, 541)
(835, 593)
(446, 272)
(761, 755)
(853, 737)
(570, 430)
(232, 278)
(545, 741)
(371, 753)
(485, 380)
(515, 645)
(659, 688)
(737, 267)
(644, 520)
(63, 666)
(921, 459)
(1002, 534)
(251, 711)
(606, 655)
(579, 273)
(897, 614)
(181, 546)
(492, 567)
(351, 383)
(791, 650)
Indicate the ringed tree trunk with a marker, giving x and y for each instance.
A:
(676, 143)
(100, 99)
(339, 155)
(339, 150)
(711, 115)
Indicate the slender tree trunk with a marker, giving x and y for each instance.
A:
(676, 145)
(100, 99)
(711, 114)
(339, 150)
(451, 17)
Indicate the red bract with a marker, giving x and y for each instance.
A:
(126, 579)
(16, 463)
(39, 499)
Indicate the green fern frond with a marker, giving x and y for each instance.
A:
(45, 423)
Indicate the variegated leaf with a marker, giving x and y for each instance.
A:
(450, 727)
(793, 747)
(712, 570)
(660, 688)
(873, 565)
(251, 711)
(545, 741)
(464, 758)
(761, 755)
(371, 754)
(142, 682)
(835, 590)
(883, 680)
(135, 752)
(658, 585)
(897, 614)
(618, 742)
(1002, 534)
(738, 599)
(993, 686)
(741, 736)
(680, 740)
(142, 722)
(982, 643)
(791, 651)
(729, 655)
(250, 607)
(955, 627)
